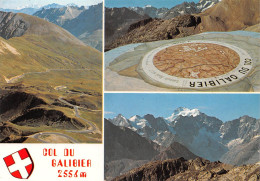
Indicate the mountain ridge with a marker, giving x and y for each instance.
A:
(84, 23)
(204, 135)
(197, 169)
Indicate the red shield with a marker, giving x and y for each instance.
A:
(20, 164)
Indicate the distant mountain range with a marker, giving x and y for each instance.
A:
(32, 10)
(150, 11)
(205, 136)
(83, 22)
(181, 9)
(188, 19)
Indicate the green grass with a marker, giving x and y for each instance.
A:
(47, 46)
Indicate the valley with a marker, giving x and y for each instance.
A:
(51, 83)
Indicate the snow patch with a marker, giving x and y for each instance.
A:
(120, 120)
(139, 122)
(234, 143)
(256, 136)
(183, 112)
(148, 6)
(181, 12)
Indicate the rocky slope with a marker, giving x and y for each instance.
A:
(220, 17)
(159, 29)
(198, 169)
(175, 150)
(243, 153)
(85, 24)
(242, 138)
(203, 135)
(117, 22)
(117, 144)
(12, 25)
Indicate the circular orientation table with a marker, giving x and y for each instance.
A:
(197, 64)
(210, 62)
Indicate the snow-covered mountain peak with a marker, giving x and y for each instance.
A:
(148, 6)
(182, 111)
(72, 4)
(139, 122)
(134, 118)
(120, 120)
(120, 116)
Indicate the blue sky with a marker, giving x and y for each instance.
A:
(225, 107)
(14, 4)
(142, 3)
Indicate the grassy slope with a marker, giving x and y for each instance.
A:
(46, 46)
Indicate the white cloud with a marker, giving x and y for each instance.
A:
(107, 112)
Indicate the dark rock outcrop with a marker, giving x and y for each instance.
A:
(176, 150)
(198, 169)
(117, 22)
(41, 117)
(14, 103)
(139, 24)
(6, 131)
(159, 170)
(23, 109)
(12, 25)
(123, 143)
(158, 29)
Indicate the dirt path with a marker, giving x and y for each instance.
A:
(38, 135)
(17, 77)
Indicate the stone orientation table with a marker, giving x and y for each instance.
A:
(213, 62)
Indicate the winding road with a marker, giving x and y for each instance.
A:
(17, 77)
(38, 135)
(93, 128)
